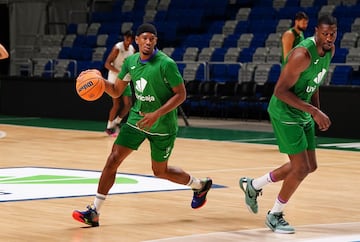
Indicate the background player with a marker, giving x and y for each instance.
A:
(113, 63)
(294, 35)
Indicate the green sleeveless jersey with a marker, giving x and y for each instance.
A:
(308, 82)
(297, 40)
(153, 80)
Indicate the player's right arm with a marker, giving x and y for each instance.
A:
(116, 90)
(3, 52)
(287, 42)
(298, 61)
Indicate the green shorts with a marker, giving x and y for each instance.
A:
(294, 138)
(161, 146)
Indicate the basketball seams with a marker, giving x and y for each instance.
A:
(90, 85)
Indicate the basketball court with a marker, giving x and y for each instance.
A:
(48, 170)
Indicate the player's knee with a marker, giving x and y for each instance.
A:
(113, 162)
(313, 168)
(301, 172)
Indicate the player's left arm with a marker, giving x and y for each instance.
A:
(150, 118)
(176, 82)
(315, 99)
(176, 100)
(171, 73)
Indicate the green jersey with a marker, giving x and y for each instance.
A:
(308, 82)
(153, 81)
(297, 40)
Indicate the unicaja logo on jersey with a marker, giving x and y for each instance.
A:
(140, 87)
(317, 80)
(320, 76)
(141, 84)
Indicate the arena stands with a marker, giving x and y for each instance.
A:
(212, 40)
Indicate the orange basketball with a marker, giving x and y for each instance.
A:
(90, 85)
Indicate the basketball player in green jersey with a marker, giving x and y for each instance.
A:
(294, 35)
(159, 90)
(294, 109)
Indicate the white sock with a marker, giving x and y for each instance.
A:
(278, 206)
(260, 182)
(117, 120)
(194, 183)
(98, 201)
(110, 124)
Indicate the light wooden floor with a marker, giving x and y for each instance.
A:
(330, 196)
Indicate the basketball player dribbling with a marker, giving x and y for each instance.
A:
(159, 90)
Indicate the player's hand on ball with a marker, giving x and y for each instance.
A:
(90, 85)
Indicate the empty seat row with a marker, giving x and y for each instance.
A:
(227, 99)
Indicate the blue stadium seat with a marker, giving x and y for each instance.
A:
(263, 26)
(340, 55)
(267, 13)
(215, 8)
(200, 73)
(287, 12)
(344, 25)
(90, 41)
(259, 40)
(81, 53)
(71, 28)
(355, 79)
(160, 16)
(178, 53)
(231, 40)
(274, 73)
(218, 54)
(64, 53)
(177, 5)
(233, 72)
(341, 75)
(246, 55)
(216, 27)
(80, 41)
(344, 12)
(242, 27)
(181, 67)
(218, 72)
(109, 28)
(197, 40)
(85, 65)
(112, 40)
(292, 3)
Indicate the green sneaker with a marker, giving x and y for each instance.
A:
(277, 223)
(251, 194)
